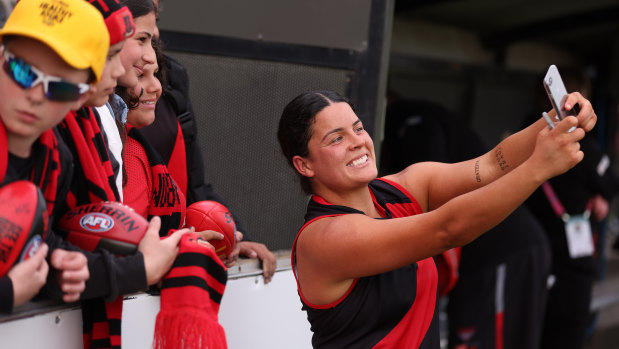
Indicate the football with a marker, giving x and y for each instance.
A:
(23, 222)
(211, 215)
(104, 225)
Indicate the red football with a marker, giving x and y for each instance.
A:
(211, 215)
(23, 222)
(107, 225)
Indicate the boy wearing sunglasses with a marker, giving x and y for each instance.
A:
(52, 51)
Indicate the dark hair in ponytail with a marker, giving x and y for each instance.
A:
(295, 125)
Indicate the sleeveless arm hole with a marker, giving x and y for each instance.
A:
(293, 263)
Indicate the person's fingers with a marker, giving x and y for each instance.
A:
(236, 250)
(588, 122)
(206, 243)
(39, 256)
(68, 260)
(586, 116)
(245, 249)
(175, 237)
(267, 258)
(269, 264)
(268, 270)
(42, 269)
(72, 272)
(56, 258)
(71, 297)
(78, 275)
(229, 262)
(233, 256)
(73, 287)
(210, 235)
(566, 124)
(154, 225)
(152, 232)
(572, 99)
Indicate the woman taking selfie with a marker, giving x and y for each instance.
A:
(363, 258)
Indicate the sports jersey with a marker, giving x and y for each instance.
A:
(150, 189)
(395, 309)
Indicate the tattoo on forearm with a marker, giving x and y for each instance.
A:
(501, 159)
(477, 176)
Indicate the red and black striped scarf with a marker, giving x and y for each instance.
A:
(94, 179)
(167, 201)
(190, 298)
(93, 182)
(46, 164)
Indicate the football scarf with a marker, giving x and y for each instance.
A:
(166, 200)
(94, 178)
(93, 181)
(190, 298)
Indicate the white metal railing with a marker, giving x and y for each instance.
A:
(254, 315)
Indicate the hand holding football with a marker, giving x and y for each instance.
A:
(211, 215)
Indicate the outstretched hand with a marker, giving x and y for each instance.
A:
(29, 276)
(71, 271)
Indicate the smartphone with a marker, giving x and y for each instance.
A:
(557, 93)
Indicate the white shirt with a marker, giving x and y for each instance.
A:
(115, 144)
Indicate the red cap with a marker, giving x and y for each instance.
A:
(118, 19)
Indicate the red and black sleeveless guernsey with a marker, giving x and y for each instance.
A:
(396, 309)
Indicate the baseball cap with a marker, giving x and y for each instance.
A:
(74, 29)
(118, 19)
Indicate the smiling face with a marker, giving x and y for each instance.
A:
(138, 50)
(341, 152)
(149, 90)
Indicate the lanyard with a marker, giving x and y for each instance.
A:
(557, 206)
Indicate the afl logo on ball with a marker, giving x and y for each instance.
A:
(31, 247)
(97, 222)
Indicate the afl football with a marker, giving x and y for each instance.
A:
(23, 222)
(211, 215)
(104, 225)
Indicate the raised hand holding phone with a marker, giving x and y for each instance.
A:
(557, 93)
